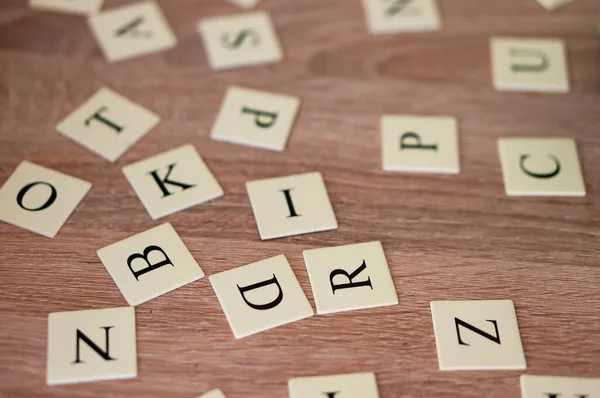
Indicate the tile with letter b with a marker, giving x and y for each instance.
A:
(244, 3)
(108, 124)
(172, 181)
(40, 199)
(256, 118)
(150, 264)
(356, 385)
(395, 16)
(91, 345)
(559, 387)
(552, 4)
(474, 335)
(541, 167)
(216, 393)
(350, 277)
(260, 296)
(85, 7)
(292, 205)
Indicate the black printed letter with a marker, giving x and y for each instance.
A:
(351, 276)
(417, 144)
(150, 267)
(262, 123)
(161, 182)
(26, 188)
(288, 199)
(266, 306)
(239, 38)
(540, 67)
(331, 394)
(397, 7)
(556, 395)
(98, 116)
(131, 28)
(104, 354)
(538, 175)
(495, 339)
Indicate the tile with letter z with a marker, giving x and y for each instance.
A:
(85, 7)
(216, 393)
(357, 385)
(395, 16)
(559, 387)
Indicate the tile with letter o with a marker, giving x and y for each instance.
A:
(40, 199)
(260, 296)
(256, 118)
(216, 393)
(172, 181)
(350, 277)
(292, 205)
(541, 167)
(552, 4)
(244, 3)
(91, 345)
(356, 385)
(150, 264)
(108, 124)
(85, 7)
(396, 16)
(559, 387)
(474, 335)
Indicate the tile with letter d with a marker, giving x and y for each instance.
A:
(91, 345)
(559, 387)
(216, 393)
(40, 199)
(350, 277)
(256, 118)
(108, 124)
(541, 167)
(356, 385)
(85, 7)
(292, 205)
(395, 16)
(260, 296)
(172, 181)
(244, 3)
(474, 335)
(552, 4)
(150, 264)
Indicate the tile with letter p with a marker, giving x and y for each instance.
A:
(395, 16)
(356, 385)
(85, 7)
(559, 387)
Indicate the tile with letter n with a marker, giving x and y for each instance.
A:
(559, 387)
(91, 345)
(85, 7)
(473, 335)
(244, 3)
(150, 264)
(396, 16)
(292, 205)
(216, 393)
(356, 385)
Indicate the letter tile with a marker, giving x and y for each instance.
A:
(40, 199)
(216, 393)
(85, 7)
(260, 296)
(559, 387)
(474, 335)
(245, 3)
(552, 4)
(357, 385)
(395, 16)
(150, 264)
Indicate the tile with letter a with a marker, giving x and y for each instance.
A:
(474, 335)
(260, 296)
(244, 3)
(216, 393)
(395, 16)
(350, 277)
(150, 264)
(541, 167)
(552, 4)
(357, 385)
(240, 40)
(529, 65)
(85, 7)
(40, 199)
(91, 345)
(108, 124)
(172, 181)
(132, 30)
(559, 387)
(256, 118)
(291, 205)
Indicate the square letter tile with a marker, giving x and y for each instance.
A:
(91, 345)
(474, 335)
(256, 118)
(40, 199)
(394, 16)
(108, 124)
(357, 385)
(70, 6)
(350, 277)
(150, 264)
(419, 144)
(240, 40)
(541, 167)
(132, 30)
(216, 393)
(529, 65)
(244, 3)
(260, 296)
(172, 181)
(552, 4)
(559, 387)
(292, 205)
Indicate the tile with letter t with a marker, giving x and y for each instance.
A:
(172, 181)
(552, 4)
(216, 393)
(559, 387)
(150, 264)
(395, 16)
(108, 124)
(473, 335)
(85, 7)
(350, 277)
(91, 345)
(244, 3)
(541, 167)
(291, 205)
(260, 296)
(357, 385)
(40, 199)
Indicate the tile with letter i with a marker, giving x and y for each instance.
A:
(216, 393)
(396, 16)
(357, 385)
(559, 387)
(244, 3)
(85, 7)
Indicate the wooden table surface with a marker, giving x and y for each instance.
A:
(445, 237)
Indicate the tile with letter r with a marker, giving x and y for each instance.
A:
(354, 385)
(40, 199)
(150, 264)
(245, 3)
(479, 334)
(91, 345)
(216, 393)
(552, 4)
(85, 7)
(396, 16)
(559, 387)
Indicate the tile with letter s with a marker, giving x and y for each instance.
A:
(85, 7)
(395, 16)
(559, 387)
(356, 385)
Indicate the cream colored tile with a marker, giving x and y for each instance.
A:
(419, 144)
(213, 394)
(172, 181)
(552, 4)
(240, 40)
(357, 385)
(529, 65)
(70, 6)
(559, 387)
(395, 16)
(260, 296)
(108, 124)
(541, 167)
(245, 3)
(91, 345)
(150, 264)
(473, 335)
(350, 277)
(132, 30)
(40, 199)
(291, 205)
